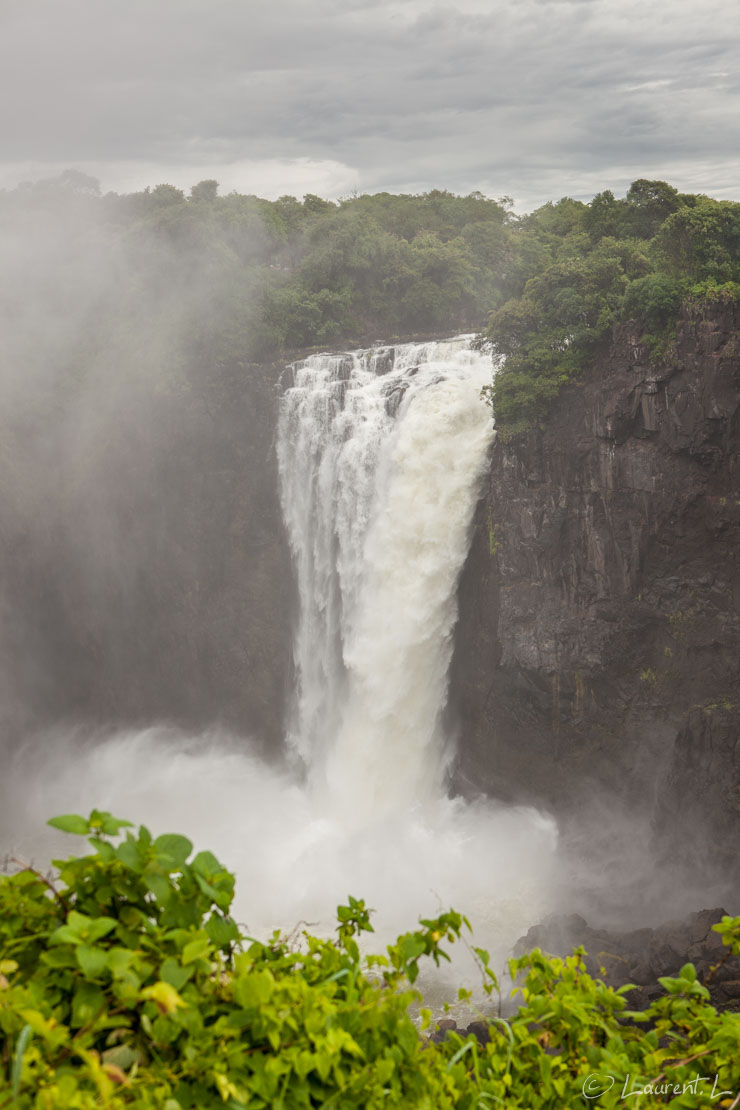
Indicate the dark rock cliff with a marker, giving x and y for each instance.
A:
(598, 645)
(642, 956)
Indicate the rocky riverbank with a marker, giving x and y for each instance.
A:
(642, 956)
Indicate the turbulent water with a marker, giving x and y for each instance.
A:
(381, 457)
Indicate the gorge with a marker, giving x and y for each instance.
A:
(150, 602)
(381, 458)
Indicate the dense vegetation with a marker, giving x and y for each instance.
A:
(125, 982)
(287, 274)
(575, 270)
(239, 279)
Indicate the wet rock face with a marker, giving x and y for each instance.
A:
(598, 646)
(642, 956)
(481, 1030)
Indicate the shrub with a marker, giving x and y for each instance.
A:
(653, 300)
(125, 983)
(575, 271)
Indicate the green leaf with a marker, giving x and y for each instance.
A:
(323, 1063)
(468, 1046)
(100, 927)
(206, 864)
(20, 1050)
(412, 947)
(87, 1003)
(79, 922)
(81, 929)
(59, 957)
(93, 961)
(173, 849)
(121, 1055)
(171, 972)
(160, 888)
(221, 898)
(253, 989)
(53, 1033)
(119, 961)
(221, 930)
(65, 934)
(112, 825)
(71, 823)
(197, 949)
(129, 854)
(105, 850)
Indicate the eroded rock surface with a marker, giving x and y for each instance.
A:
(598, 646)
(641, 956)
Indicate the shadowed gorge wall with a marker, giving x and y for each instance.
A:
(155, 584)
(598, 645)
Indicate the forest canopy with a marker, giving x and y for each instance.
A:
(579, 269)
(253, 280)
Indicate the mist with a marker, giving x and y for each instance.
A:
(143, 604)
(149, 658)
(125, 436)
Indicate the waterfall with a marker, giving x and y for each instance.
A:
(381, 454)
(381, 457)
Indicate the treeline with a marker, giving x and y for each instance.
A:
(575, 270)
(283, 275)
(240, 279)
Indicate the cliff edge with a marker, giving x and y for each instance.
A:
(598, 645)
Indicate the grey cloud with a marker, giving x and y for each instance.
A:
(509, 93)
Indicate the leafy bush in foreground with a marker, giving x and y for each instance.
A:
(125, 983)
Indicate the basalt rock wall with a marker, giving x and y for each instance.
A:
(598, 645)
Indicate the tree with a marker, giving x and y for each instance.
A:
(650, 203)
(205, 191)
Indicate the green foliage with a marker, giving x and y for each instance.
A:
(241, 279)
(205, 191)
(577, 270)
(710, 292)
(125, 983)
(246, 279)
(653, 300)
(494, 541)
(649, 204)
(702, 241)
(385, 264)
(548, 333)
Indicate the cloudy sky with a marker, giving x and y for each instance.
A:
(529, 98)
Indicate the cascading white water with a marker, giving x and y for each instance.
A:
(381, 456)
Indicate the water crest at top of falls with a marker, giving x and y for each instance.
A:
(381, 457)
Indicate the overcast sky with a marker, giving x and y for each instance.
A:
(531, 98)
